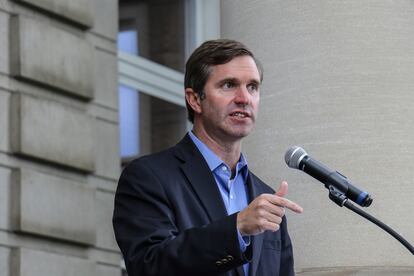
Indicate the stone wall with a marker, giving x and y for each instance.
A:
(59, 156)
(338, 82)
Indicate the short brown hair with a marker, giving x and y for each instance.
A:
(208, 54)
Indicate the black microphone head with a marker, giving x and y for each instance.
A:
(293, 156)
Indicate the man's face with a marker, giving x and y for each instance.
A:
(230, 107)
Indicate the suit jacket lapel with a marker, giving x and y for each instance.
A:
(200, 178)
(257, 240)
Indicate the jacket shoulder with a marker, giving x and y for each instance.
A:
(163, 157)
(170, 157)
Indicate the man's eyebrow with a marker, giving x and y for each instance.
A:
(235, 80)
(229, 79)
(255, 81)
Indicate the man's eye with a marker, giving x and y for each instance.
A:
(253, 87)
(228, 85)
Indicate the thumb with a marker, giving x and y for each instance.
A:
(283, 189)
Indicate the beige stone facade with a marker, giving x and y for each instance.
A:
(339, 82)
(59, 155)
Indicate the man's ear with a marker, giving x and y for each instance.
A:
(193, 100)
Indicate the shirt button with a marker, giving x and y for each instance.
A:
(231, 196)
(224, 168)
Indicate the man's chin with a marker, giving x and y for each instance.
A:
(240, 133)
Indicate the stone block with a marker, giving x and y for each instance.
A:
(105, 237)
(4, 119)
(4, 49)
(5, 261)
(5, 183)
(78, 11)
(45, 54)
(106, 79)
(106, 270)
(28, 262)
(106, 18)
(107, 150)
(53, 206)
(52, 132)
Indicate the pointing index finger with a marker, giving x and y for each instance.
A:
(284, 202)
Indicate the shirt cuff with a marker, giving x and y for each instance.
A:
(244, 242)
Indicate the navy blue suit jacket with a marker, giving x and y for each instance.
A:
(170, 219)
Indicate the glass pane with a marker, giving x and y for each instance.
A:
(128, 42)
(128, 121)
(128, 101)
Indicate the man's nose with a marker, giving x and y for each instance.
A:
(242, 96)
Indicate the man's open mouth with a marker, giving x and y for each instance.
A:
(240, 114)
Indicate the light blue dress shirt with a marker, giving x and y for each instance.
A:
(232, 190)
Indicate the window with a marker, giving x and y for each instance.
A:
(151, 105)
(155, 37)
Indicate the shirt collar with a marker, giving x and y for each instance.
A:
(212, 159)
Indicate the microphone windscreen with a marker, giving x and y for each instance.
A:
(294, 155)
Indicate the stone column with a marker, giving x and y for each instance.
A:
(59, 159)
(338, 81)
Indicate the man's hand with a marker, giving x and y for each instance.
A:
(265, 212)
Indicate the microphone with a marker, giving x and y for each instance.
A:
(297, 158)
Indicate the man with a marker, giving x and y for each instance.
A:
(196, 209)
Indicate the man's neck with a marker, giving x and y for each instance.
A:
(228, 151)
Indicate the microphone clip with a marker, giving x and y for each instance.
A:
(337, 196)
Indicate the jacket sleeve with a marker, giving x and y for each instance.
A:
(145, 229)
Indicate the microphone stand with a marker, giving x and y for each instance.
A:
(341, 200)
